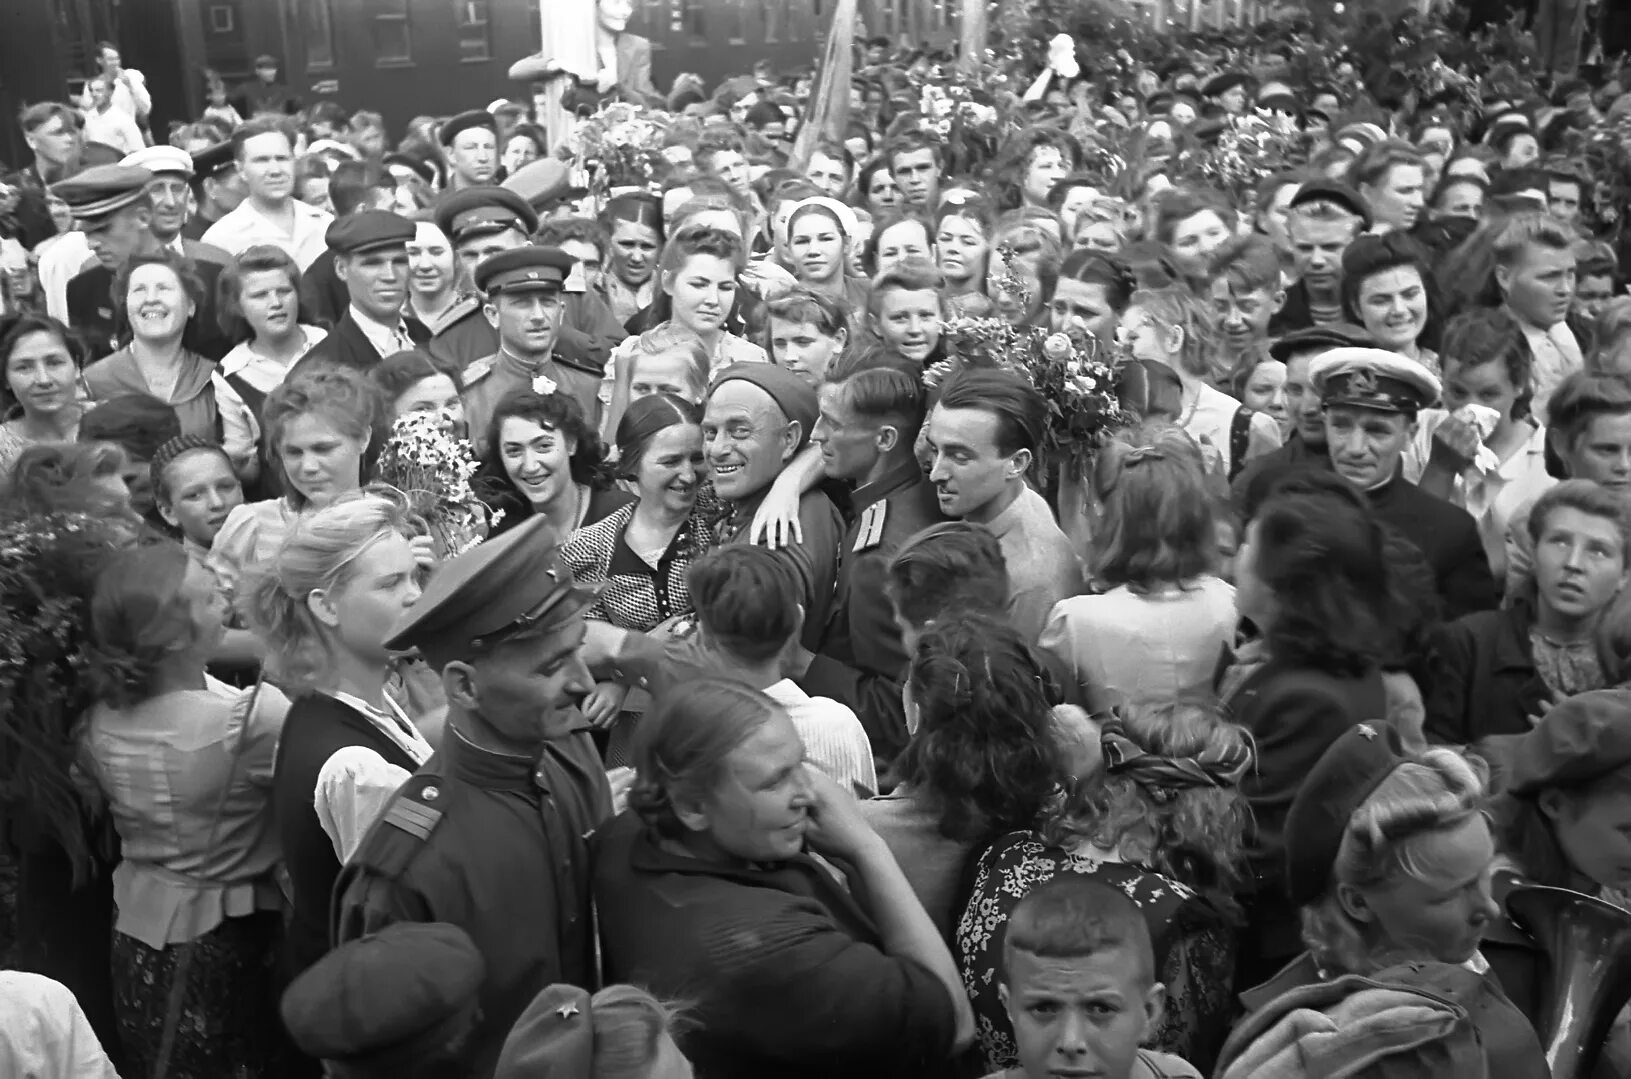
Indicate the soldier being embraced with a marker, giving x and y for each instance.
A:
(490, 835)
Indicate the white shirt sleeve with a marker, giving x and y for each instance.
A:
(352, 789)
(44, 1033)
(140, 96)
(239, 431)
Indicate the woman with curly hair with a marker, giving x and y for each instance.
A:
(323, 604)
(1162, 821)
(317, 429)
(1311, 576)
(704, 890)
(184, 763)
(1388, 288)
(1389, 858)
(981, 760)
(543, 457)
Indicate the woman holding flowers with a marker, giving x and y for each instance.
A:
(410, 382)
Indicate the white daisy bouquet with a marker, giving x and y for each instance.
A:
(432, 469)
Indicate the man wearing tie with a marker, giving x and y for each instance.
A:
(371, 257)
(1535, 269)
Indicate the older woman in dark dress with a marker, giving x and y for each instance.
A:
(705, 893)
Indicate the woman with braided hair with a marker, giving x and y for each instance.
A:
(1160, 820)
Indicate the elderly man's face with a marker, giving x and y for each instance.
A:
(747, 439)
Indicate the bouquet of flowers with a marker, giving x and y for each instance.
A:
(624, 144)
(1250, 149)
(432, 469)
(1079, 386)
(48, 566)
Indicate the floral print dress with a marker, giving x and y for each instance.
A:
(1194, 945)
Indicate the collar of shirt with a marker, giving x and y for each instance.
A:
(487, 768)
(528, 368)
(1012, 516)
(385, 339)
(392, 722)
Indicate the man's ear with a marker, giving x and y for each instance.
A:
(459, 684)
(1021, 462)
(1354, 904)
(491, 314)
(1155, 1005)
(792, 435)
(342, 267)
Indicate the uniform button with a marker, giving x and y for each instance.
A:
(430, 794)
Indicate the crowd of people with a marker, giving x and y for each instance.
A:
(788, 696)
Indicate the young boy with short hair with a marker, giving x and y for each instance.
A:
(1078, 983)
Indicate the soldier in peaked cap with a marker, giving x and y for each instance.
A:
(482, 222)
(115, 210)
(1371, 398)
(490, 835)
(526, 302)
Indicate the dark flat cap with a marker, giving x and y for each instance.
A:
(513, 585)
(101, 190)
(368, 230)
(1332, 191)
(792, 394)
(413, 162)
(555, 1036)
(390, 996)
(464, 122)
(213, 160)
(1323, 338)
(524, 269)
(1347, 774)
(482, 211)
(1280, 103)
(1581, 739)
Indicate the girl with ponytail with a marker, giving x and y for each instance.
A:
(323, 606)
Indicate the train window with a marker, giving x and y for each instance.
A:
(474, 42)
(696, 20)
(317, 17)
(775, 17)
(393, 37)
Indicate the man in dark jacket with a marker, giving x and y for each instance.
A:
(490, 836)
(371, 258)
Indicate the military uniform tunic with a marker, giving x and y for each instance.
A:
(490, 379)
(497, 845)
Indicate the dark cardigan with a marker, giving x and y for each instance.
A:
(317, 727)
(784, 970)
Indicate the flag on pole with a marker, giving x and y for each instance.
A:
(829, 112)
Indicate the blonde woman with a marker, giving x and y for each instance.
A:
(323, 605)
(1389, 857)
(1171, 327)
(1162, 616)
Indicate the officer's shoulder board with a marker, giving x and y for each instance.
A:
(477, 371)
(869, 529)
(404, 828)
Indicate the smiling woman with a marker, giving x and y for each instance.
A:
(39, 398)
(543, 457)
(156, 295)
